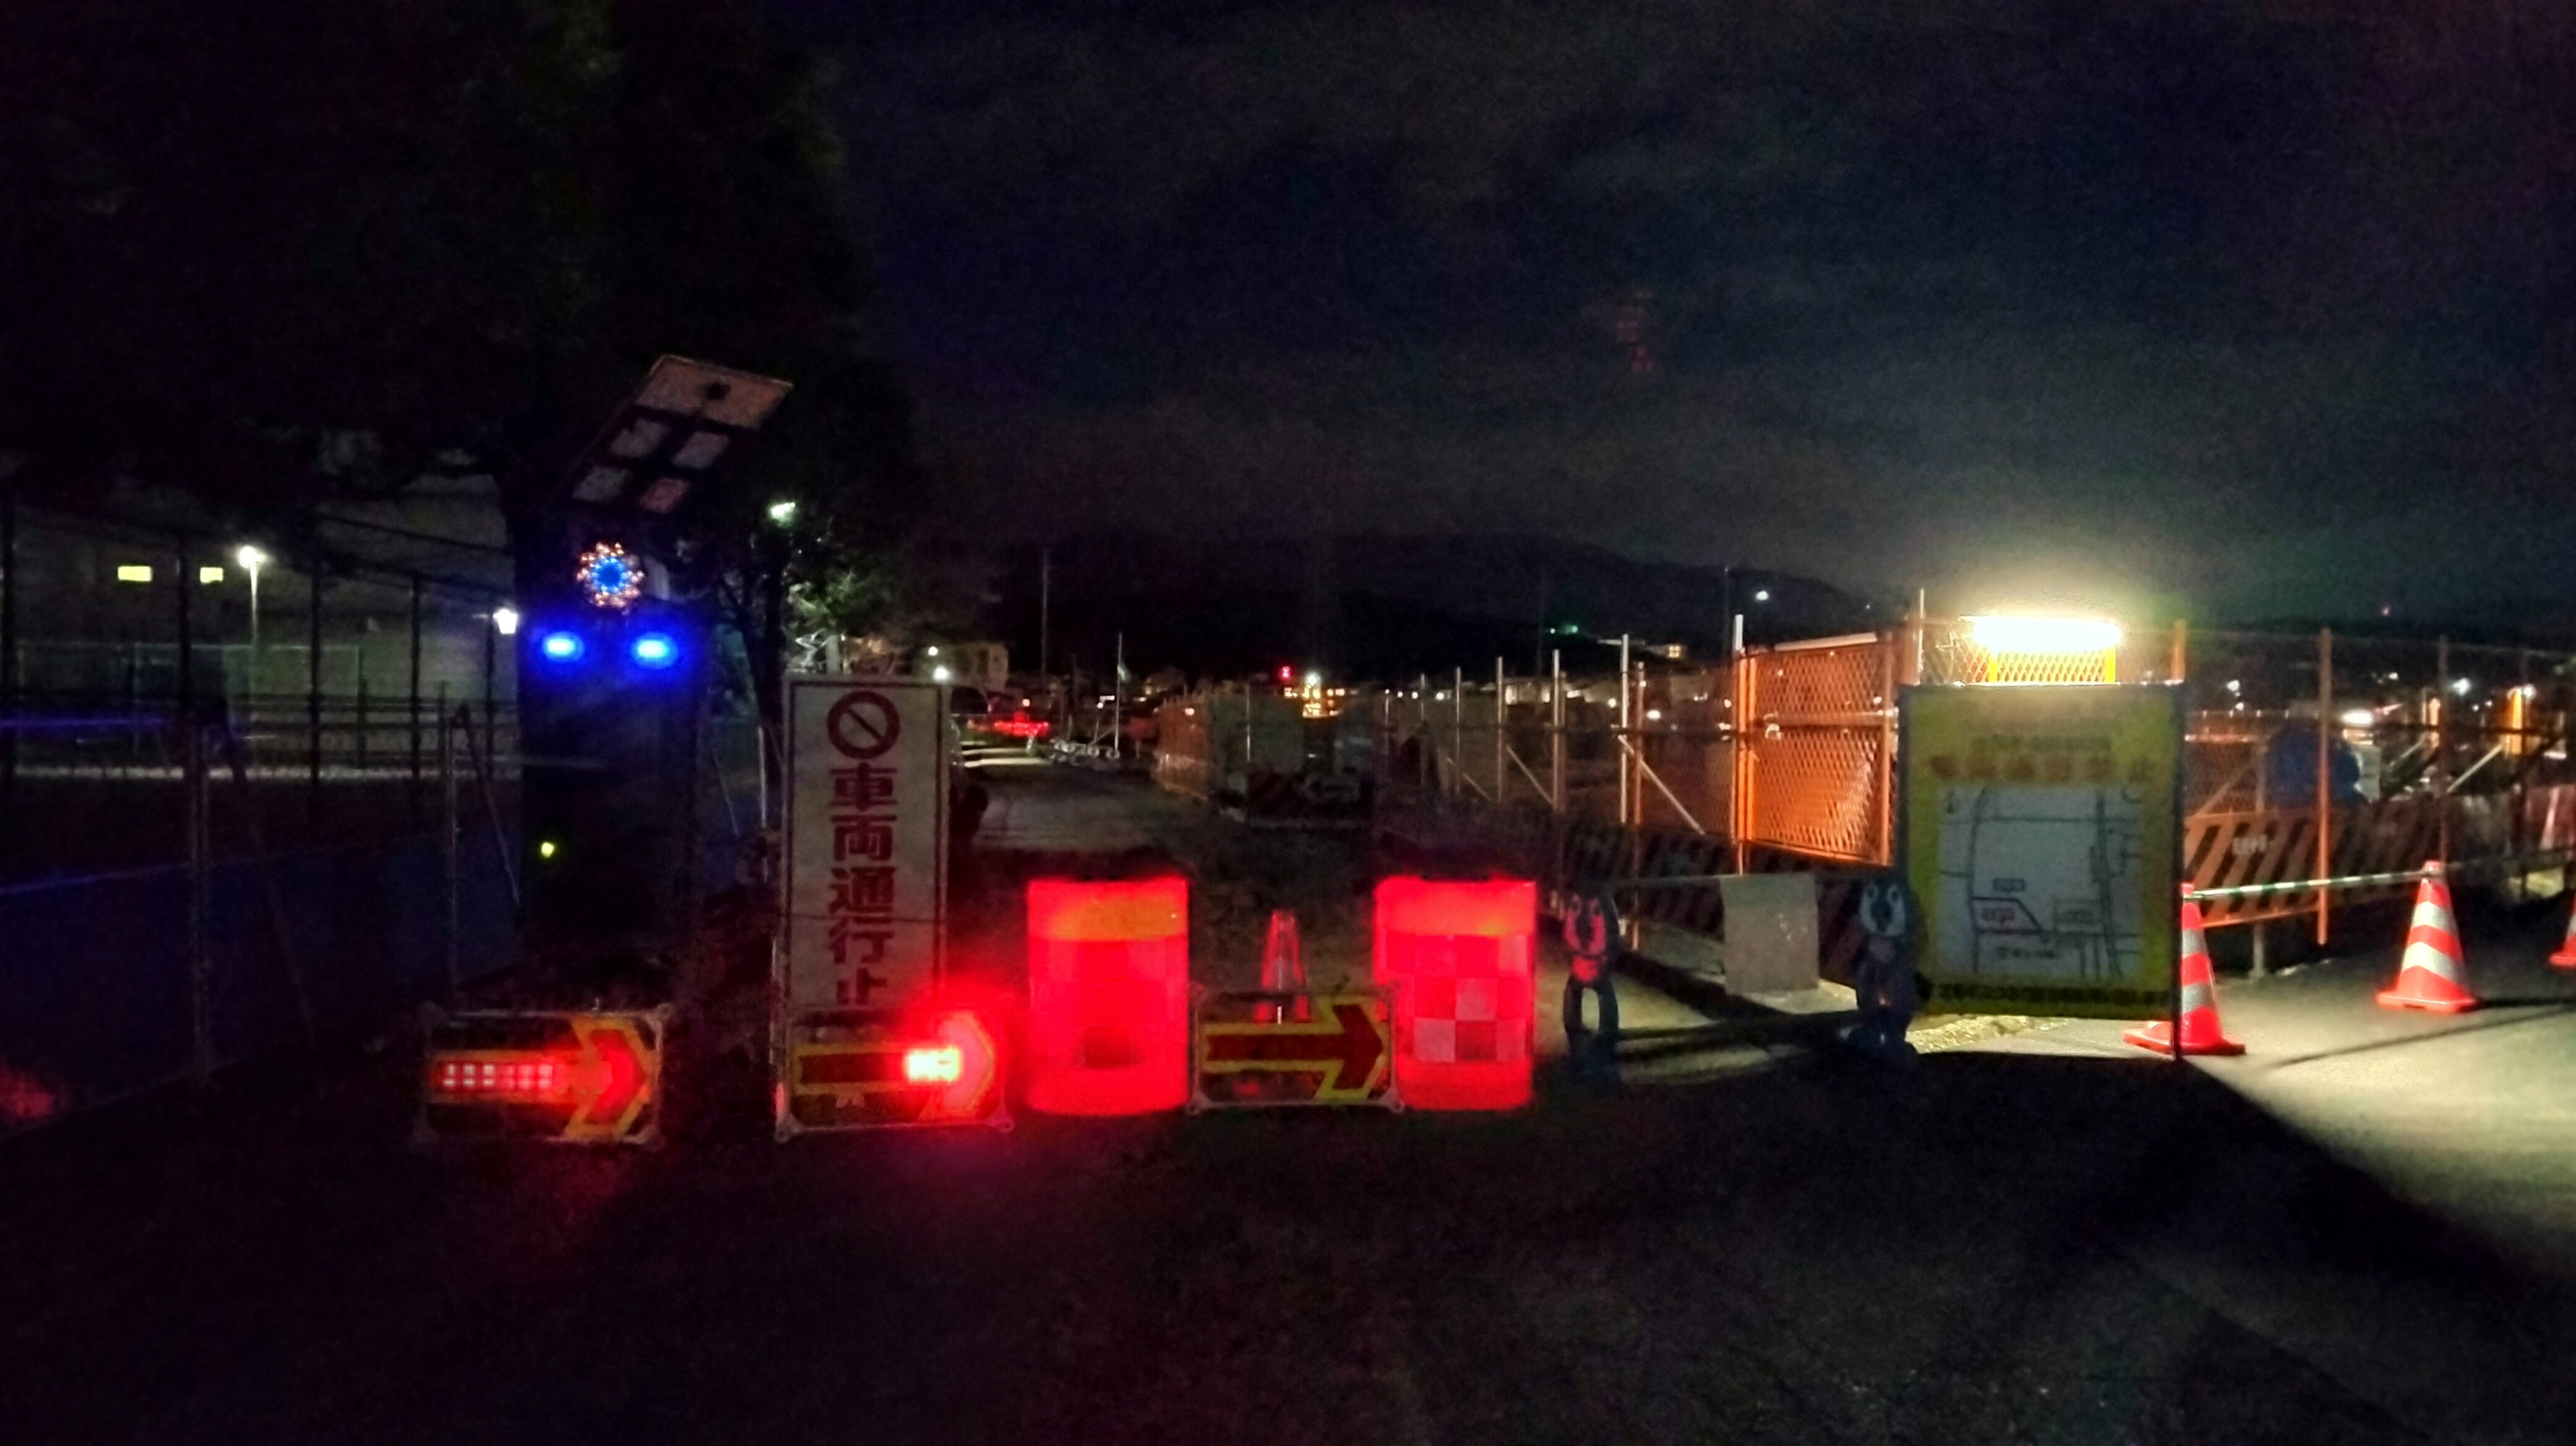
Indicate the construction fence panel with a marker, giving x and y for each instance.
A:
(1816, 748)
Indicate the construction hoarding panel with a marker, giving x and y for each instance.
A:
(2042, 832)
(1255, 1048)
(865, 887)
(560, 1077)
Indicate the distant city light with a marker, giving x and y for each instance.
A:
(1762, 594)
(2359, 717)
(939, 674)
(1654, 715)
(2044, 635)
(133, 572)
(782, 513)
(545, 848)
(2460, 686)
(1314, 680)
(251, 558)
(209, 575)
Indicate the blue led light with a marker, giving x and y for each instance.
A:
(654, 650)
(560, 646)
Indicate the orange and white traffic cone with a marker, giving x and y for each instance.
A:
(1283, 967)
(2201, 1033)
(2431, 974)
(2565, 958)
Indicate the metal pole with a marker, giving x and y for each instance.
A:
(187, 639)
(447, 831)
(1458, 729)
(1501, 745)
(201, 967)
(2325, 799)
(1118, 699)
(491, 671)
(2262, 962)
(415, 695)
(1556, 732)
(1624, 733)
(313, 701)
(2441, 744)
(1429, 772)
(1046, 587)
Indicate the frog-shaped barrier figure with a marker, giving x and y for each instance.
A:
(1592, 939)
(1883, 977)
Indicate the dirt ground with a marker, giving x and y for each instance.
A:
(1998, 1248)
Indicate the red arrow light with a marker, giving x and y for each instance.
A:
(941, 1064)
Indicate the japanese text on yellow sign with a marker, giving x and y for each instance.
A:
(2041, 831)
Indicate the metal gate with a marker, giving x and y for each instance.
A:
(1816, 739)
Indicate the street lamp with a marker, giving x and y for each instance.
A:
(252, 559)
(505, 620)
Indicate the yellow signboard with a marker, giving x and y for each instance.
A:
(2041, 830)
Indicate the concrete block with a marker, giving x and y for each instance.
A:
(1770, 932)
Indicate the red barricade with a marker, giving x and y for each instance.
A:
(1460, 958)
(1109, 996)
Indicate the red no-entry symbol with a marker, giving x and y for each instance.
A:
(863, 725)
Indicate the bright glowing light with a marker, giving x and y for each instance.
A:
(133, 572)
(1285, 674)
(1314, 680)
(2044, 635)
(2234, 687)
(1654, 715)
(654, 650)
(940, 1064)
(782, 513)
(560, 646)
(610, 575)
(519, 1078)
(939, 674)
(931, 652)
(505, 621)
(208, 575)
(251, 558)
(545, 848)
(2460, 686)
(2359, 717)
(1762, 594)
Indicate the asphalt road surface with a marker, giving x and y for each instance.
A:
(2036, 1241)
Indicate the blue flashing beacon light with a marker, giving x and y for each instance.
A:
(561, 645)
(654, 650)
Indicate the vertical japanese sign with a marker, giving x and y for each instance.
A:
(2041, 829)
(866, 879)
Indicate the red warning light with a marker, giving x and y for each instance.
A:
(1109, 996)
(1287, 675)
(1459, 956)
(937, 1064)
(501, 1079)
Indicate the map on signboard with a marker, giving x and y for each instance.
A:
(2041, 883)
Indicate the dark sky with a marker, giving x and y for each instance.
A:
(2254, 305)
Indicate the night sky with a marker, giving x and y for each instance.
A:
(2246, 307)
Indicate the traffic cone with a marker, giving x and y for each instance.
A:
(2565, 958)
(1283, 966)
(2431, 974)
(2201, 1033)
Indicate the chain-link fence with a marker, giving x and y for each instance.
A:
(227, 828)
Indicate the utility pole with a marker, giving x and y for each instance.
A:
(1046, 564)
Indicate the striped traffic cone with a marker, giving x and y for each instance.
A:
(2201, 1033)
(2565, 958)
(2431, 974)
